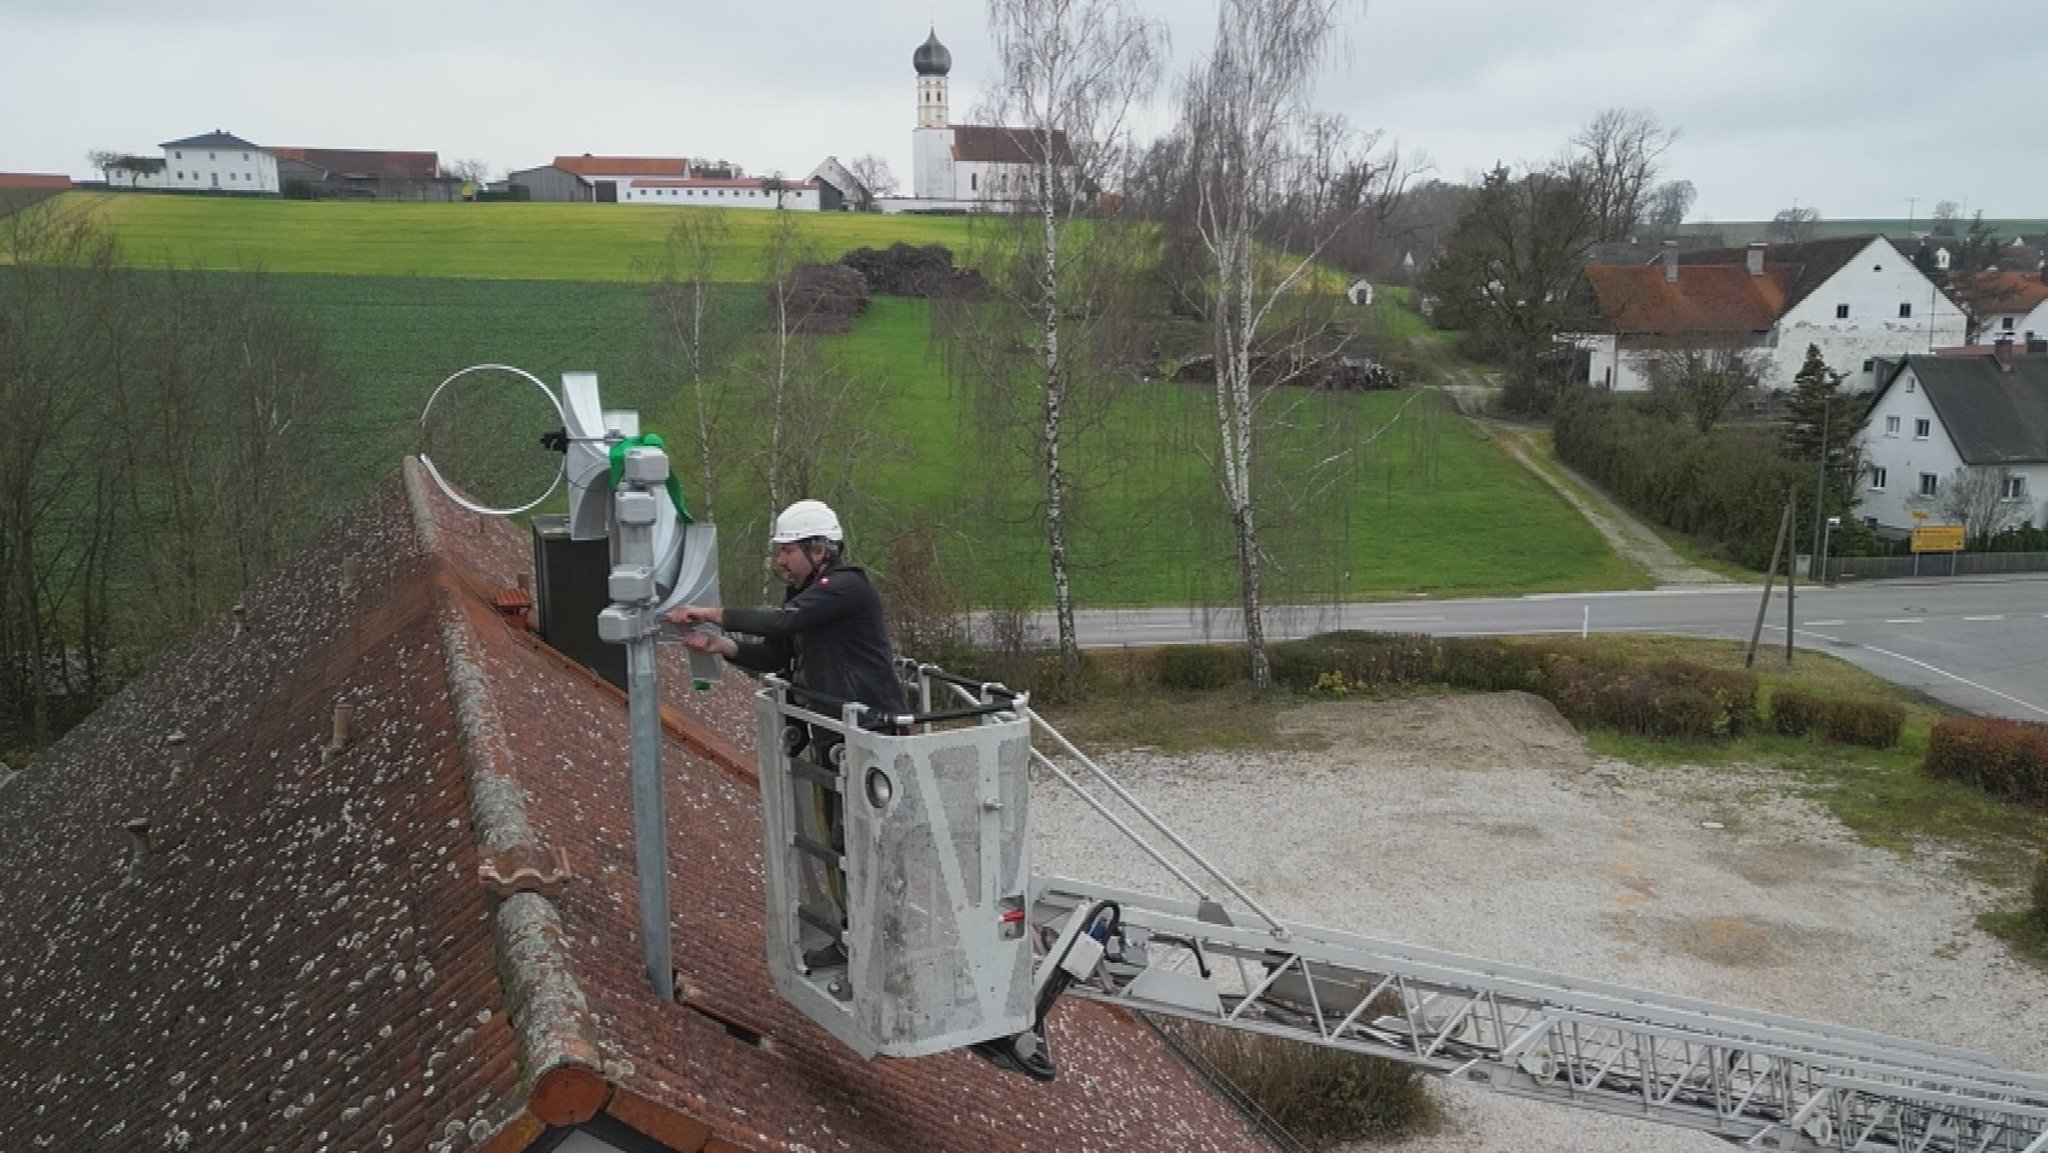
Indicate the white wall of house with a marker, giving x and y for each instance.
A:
(2018, 325)
(1903, 443)
(1877, 305)
(652, 191)
(251, 171)
(1623, 364)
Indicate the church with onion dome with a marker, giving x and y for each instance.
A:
(963, 167)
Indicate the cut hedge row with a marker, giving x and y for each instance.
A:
(1847, 720)
(2007, 759)
(1666, 699)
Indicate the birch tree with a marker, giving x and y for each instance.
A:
(684, 331)
(1243, 110)
(1071, 71)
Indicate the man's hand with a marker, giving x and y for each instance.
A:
(687, 615)
(706, 642)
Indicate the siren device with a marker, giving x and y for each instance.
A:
(620, 490)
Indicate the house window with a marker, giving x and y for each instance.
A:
(1930, 484)
(973, 181)
(1841, 312)
(1878, 478)
(1905, 309)
(2005, 322)
(211, 156)
(177, 156)
(2015, 488)
(1921, 427)
(1891, 426)
(1870, 365)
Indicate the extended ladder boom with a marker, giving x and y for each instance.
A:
(921, 933)
(1755, 1077)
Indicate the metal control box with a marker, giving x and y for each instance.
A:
(920, 885)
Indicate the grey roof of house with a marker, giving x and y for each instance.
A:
(214, 139)
(1994, 417)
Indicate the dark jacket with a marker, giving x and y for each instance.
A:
(828, 636)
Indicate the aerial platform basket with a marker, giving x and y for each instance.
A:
(904, 932)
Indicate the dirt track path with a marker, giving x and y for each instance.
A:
(1626, 535)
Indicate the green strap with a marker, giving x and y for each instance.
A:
(650, 440)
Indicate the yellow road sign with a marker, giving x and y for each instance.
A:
(1938, 538)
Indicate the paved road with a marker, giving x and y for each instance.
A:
(1980, 645)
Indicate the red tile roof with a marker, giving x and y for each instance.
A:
(33, 180)
(1808, 263)
(314, 953)
(366, 162)
(1715, 298)
(588, 165)
(2006, 290)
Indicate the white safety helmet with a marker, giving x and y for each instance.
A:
(806, 519)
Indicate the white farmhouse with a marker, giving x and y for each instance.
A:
(674, 180)
(1858, 299)
(1937, 414)
(217, 161)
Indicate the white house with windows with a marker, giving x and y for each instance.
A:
(2014, 306)
(1935, 415)
(1858, 299)
(217, 161)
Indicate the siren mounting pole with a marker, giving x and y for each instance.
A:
(633, 621)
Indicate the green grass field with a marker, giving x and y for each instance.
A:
(500, 241)
(408, 293)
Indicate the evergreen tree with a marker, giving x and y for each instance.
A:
(1817, 403)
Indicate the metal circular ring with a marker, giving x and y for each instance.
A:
(448, 490)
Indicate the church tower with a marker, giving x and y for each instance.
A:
(931, 173)
(932, 62)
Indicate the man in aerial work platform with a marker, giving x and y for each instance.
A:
(828, 637)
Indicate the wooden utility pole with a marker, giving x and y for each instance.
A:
(1770, 577)
(1791, 572)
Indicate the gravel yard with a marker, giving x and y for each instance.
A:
(1481, 824)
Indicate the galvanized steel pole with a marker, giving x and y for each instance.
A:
(650, 814)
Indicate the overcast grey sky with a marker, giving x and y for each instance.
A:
(1852, 107)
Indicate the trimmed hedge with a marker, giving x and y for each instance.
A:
(1861, 721)
(2007, 759)
(1200, 666)
(2041, 888)
(1733, 692)
(1633, 701)
(1795, 713)
(1667, 699)
(1856, 721)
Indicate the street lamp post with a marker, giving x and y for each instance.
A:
(1834, 522)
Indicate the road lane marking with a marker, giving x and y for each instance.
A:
(1935, 669)
(1907, 621)
(1998, 617)
(1820, 624)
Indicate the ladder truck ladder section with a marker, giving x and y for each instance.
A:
(1758, 1078)
(903, 917)
(1775, 1082)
